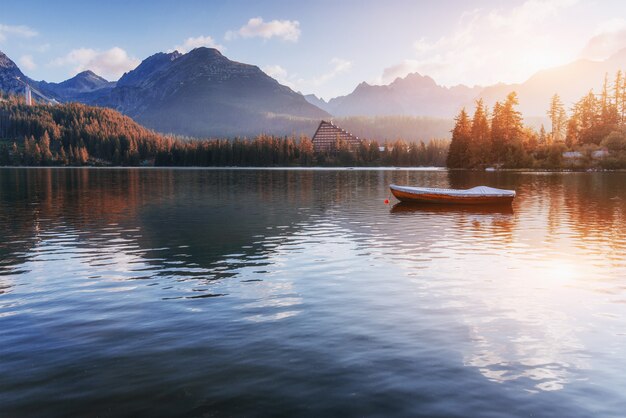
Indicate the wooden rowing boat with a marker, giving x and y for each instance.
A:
(481, 195)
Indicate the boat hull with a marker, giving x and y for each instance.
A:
(436, 198)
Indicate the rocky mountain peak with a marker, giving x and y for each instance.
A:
(8, 74)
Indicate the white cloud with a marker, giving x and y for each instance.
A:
(288, 30)
(609, 37)
(277, 72)
(19, 30)
(488, 46)
(27, 62)
(528, 14)
(339, 66)
(399, 70)
(42, 48)
(293, 81)
(197, 42)
(110, 64)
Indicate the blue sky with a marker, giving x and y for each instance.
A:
(321, 47)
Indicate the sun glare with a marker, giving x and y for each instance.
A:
(540, 60)
(561, 272)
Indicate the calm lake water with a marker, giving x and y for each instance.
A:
(299, 293)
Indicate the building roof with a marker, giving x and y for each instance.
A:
(327, 134)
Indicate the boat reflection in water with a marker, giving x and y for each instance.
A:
(407, 207)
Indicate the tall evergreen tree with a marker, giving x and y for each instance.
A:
(622, 100)
(542, 140)
(508, 138)
(458, 154)
(16, 157)
(44, 145)
(306, 151)
(479, 145)
(558, 118)
(609, 117)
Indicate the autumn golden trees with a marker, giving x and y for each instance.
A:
(558, 119)
(597, 122)
(480, 141)
(70, 134)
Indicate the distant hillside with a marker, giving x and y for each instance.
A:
(78, 88)
(391, 128)
(413, 95)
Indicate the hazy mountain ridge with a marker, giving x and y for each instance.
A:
(419, 95)
(413, 95)
(77, 87)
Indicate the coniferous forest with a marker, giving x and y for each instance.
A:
(593, 136)
(78, 135)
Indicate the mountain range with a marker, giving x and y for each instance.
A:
(418, 95)
(414, 95)
(199, 94)
(203, 93)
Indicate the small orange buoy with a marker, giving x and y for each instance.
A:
(386, 201)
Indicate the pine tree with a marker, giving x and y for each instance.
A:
(609, 117)
(604, 101)
(573, 128)
(36, 154)
(507, 132)
(62, 157)
(373, 152)
(619, 96)
(5, 157)
(306, 151)
(542, 136)
(479, 145)
(497, 132)
(44, 145)
(558, 118)
(32, 153)
(83, 155)
(622, 106)
(458, 154)
(16, 157)
(617, 89)
(587, 117)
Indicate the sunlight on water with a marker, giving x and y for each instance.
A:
(227, 291)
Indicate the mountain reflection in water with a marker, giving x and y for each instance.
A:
(295, 292)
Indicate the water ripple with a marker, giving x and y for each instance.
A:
(123, 286)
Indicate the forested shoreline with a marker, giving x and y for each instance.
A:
(593, 136)
(78, 135)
